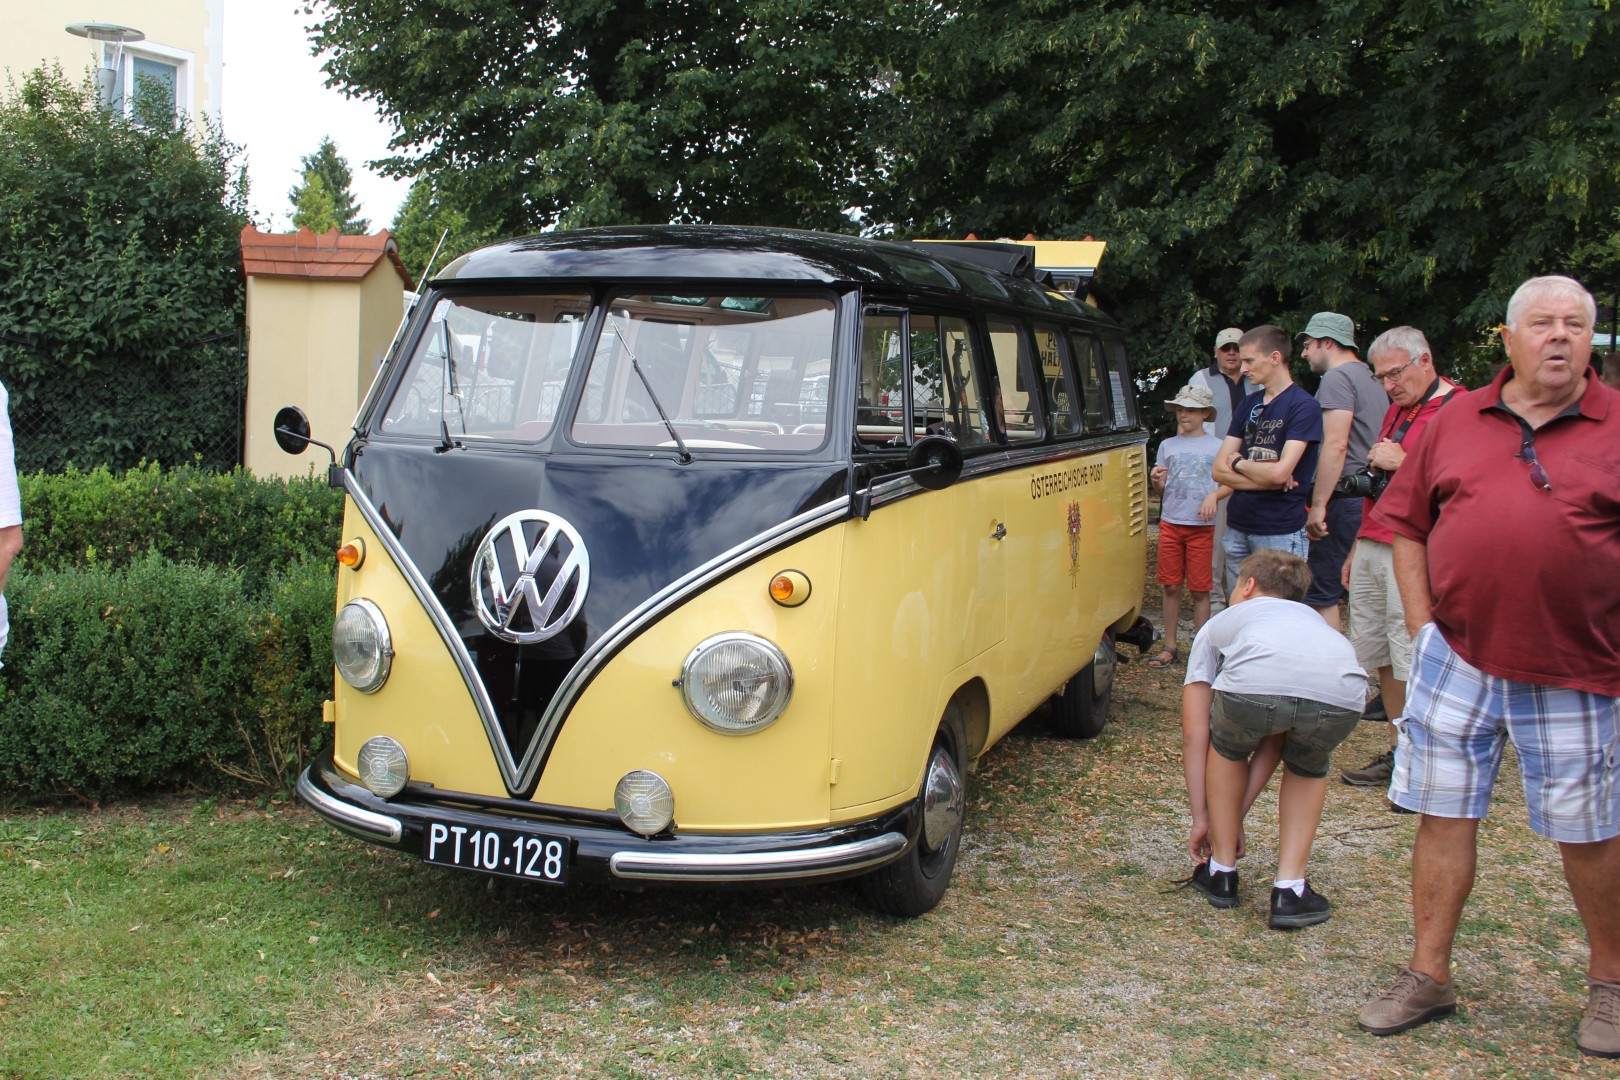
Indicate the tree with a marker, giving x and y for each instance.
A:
(1402, 162)
(427, 214)
(120, 283)
(314, 209)
(1398, 160)
(598, 112)
(324, 197)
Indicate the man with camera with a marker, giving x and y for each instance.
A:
(1507, 520)
(1352, 405)
(1402, 363)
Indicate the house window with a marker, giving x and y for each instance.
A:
(158, 71)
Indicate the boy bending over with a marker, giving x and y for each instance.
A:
(1267, 675)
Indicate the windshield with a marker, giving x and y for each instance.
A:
(489, 367)
(688, 372)
(724, 372)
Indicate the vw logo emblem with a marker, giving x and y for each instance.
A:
(529, 576)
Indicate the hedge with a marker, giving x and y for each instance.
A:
(168, 630)
(234, 520)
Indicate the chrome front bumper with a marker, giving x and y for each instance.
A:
(600, 850)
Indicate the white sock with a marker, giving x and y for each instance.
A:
(1295, 885)
(1217, 868)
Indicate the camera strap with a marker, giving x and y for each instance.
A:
(1398, 432)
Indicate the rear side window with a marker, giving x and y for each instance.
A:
(1060, 392)
(1019, 389)
(1121, 387)
(1089, 365)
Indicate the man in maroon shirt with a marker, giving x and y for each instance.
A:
(1506, 520)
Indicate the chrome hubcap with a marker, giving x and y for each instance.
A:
(942, 800)
(1102, 667)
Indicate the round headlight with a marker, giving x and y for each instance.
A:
(361, 647)
(383, 766)
(736, 682)
(644, 802)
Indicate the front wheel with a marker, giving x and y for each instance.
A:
(915, 883)
(1080, 711)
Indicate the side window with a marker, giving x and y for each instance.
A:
(1088, 364)
(1057, 379)
(1121, 386)
(1016, 385)
(946, 396)
(918, 377)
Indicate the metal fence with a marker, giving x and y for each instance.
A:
(185, 412)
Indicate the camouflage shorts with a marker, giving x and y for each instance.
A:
(1238, 723)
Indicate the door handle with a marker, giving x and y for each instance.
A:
(1000, 533)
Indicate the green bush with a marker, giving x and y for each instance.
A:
(161, 674)
(231, 520)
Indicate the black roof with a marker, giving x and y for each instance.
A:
(677, 253)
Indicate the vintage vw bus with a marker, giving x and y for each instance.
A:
(717, 555)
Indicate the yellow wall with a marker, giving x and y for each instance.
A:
(315, 344)
(35, 33)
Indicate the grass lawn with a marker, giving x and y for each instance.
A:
(192, 938)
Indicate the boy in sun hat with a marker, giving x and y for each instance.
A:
(1189, 501)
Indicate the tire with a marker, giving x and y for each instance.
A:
(1081, 710)
(915, 883)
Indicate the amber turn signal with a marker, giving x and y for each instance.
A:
(790, 588)
(352, 554)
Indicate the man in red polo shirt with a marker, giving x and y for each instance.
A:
(1507, 528)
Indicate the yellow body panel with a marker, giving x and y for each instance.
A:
(631, 716)
(424, 704)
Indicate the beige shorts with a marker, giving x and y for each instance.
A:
(1377, 618)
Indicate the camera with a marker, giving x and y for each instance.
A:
(1369, 483)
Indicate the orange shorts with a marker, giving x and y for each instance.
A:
(1186, 553)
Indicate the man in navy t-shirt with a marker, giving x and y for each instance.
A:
(1268, 458)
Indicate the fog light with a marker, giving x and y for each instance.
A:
(644, 802)
(383, 766)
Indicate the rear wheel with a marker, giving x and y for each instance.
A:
(915, 883)
(1081, 710)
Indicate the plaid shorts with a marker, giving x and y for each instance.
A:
(1457, 720)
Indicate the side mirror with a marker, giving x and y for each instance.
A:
(934, 462)
(292, 435)
(292, 430)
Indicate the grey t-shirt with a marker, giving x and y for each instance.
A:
(1267, 645)
(1190, 463)
(1351, 387)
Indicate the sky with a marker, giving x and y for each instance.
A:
(276, 105)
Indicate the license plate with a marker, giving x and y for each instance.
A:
(507, 852)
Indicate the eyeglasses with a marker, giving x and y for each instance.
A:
(1390, 376)
(1527, 454)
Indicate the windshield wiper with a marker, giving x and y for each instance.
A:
(449, 386)
(686, 455)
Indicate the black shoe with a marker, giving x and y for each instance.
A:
(1290, 912)
(1375, 711)
(1397, 808)
(1219, 888)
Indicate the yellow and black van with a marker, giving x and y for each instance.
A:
(717, 555)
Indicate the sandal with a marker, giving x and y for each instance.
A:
(1165, 658)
